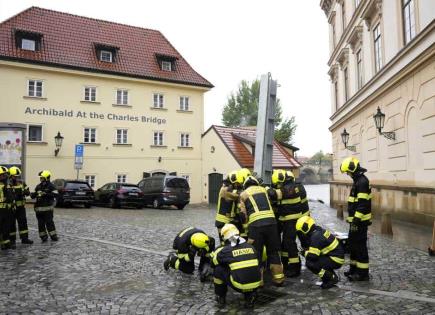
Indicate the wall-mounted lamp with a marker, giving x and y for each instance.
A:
(379, 118)
(212, 149)
(345, 140)
(58, 142)
(159, 159)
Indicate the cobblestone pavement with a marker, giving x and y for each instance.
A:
(110, 262)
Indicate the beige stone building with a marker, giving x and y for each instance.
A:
(123, 92)
(382, 54)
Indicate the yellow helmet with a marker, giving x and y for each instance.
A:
(250, 181)
(236, 177)
(14, 171)
(229, 230)
(289, 176)
(3, 170)
(200, 240)
(44, 174)
(278, 176)
(245, 172)
(304, 224)
(349, 164)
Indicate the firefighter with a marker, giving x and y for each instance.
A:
(359, 218)
(188, 243)
(227, 203)
(257, 211)
(236, 265)
(5, 209)
(286, 193)
(19, 191)
(323, 252)
(45, 194)
(305, 208)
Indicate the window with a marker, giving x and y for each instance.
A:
(377, 47)
(408, 20)
(122, 97)
(158, 100)
(34, 88)
(106, 55)
(166, 65)
(184, 140)
(90, 135)
(158, 138)
(343, 15)
(336, 94)
(346, 84)
(184, 103)
(90, 94)
(90, 179)
(121, 136)
(28, 44)
(359, 69)
(121, 178)
(34, 133)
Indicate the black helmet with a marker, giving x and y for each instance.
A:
(250, 181)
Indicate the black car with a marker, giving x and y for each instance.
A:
(165, 191)
(73, 192)
(117, 195)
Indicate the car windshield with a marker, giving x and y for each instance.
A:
(77, 185)
(177, 183)
(130, 188)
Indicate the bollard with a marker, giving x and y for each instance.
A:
(340, 211)
(431, 249)
(386, 225)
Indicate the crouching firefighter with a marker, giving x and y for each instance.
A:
(188, 243)
(236, 265)
(323, 252)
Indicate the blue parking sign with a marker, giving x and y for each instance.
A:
(79, 150)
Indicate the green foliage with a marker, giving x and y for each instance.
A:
(241, 110)
(320, 158)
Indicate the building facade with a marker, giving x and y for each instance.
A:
(123, 92)
(382, 55)
(226, 149)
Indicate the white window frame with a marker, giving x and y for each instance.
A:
(102, 52)
(377, 47)
(89, 178)
(185, 140)
(28, 132)
(90, 138)
(166, 65)
(184, 103)
(346, 83)
(408, 11)
(121, 136)
(26, 44)
(158, 100)
(35, 82)
(121, 178)
(124, 97)
(90, 94)
(160, 139)
(359, 69)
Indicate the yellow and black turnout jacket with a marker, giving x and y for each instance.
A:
(359, 204)
(321, 242)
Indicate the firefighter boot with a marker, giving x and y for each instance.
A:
(13, 244)
(359, 276)
(277, 274)
(54, 238)
(221, 301)
(329, 279)
(26, 240)
(167, 262)
(250, 298)
(351, 271)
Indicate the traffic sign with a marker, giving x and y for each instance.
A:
(79, 150)
(78, 157)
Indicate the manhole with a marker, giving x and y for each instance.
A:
(266, 296)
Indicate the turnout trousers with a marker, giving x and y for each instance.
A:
(289, 250)
(221, 280)
(6, 217)
(46, 225)
(359, 256)
(323, 267)
(19, 217)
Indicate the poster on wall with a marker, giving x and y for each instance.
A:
(11, 147)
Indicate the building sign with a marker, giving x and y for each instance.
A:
(81, 114)
(10, 147)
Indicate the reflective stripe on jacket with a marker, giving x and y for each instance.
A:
(321, 242)
(359, 201)
(255, 205)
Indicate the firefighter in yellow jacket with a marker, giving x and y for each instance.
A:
(5, 209)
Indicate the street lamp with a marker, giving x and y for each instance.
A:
(345, 140)
(379, 118)
(58, 142)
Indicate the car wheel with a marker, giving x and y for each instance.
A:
(88, 205)
(113, 203)
(180, 207)
(156, 204)
(139, 207)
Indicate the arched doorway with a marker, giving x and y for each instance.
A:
(214, 185)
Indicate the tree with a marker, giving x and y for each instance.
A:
(320, 158)
(241, 110)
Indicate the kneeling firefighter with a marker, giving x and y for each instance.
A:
(323, 252)
(188, 243)
(256, 210)
(236, 265)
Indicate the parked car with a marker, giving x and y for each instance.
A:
(73, 192)
(117, 195)
(165, 191)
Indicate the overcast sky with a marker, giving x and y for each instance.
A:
(227, 41)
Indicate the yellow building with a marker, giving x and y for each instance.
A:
(123, 92)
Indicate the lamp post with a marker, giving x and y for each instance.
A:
(58, 139)
(379, 118)
(345, 140)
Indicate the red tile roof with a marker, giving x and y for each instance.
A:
(69, 41)
(233, 138)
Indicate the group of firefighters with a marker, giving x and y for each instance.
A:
(258, 228)
(13, 192)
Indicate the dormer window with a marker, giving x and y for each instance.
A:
(166, 65)
(106, 56)
(27, 40)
